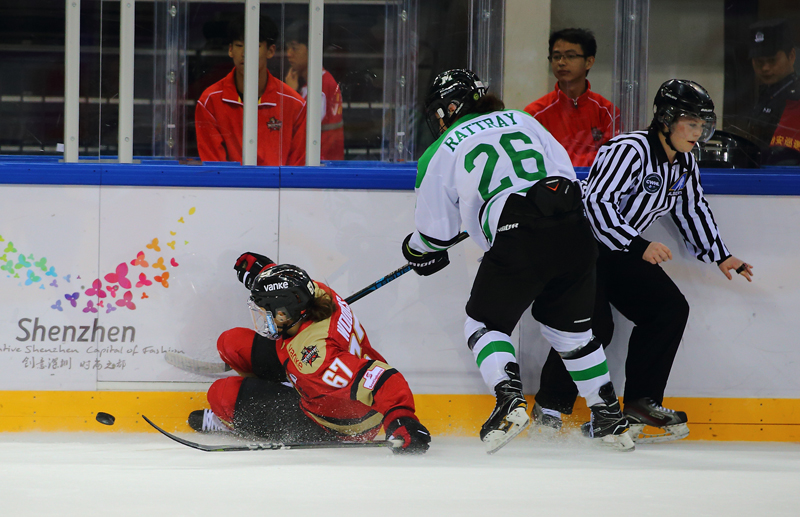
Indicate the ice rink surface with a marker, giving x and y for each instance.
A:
(143, 475)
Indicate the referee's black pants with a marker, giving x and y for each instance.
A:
(643, 293)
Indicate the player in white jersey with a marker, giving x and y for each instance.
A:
(511, 184)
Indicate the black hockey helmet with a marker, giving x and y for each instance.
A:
(284, 288)
(679, 97)
(460, 88)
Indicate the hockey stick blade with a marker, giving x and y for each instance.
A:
(274, 446)
(195, 365)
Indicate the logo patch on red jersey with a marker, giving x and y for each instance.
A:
(372, 376)
(274, 124)
(309, 355)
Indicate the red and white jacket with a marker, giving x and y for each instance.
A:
(332, 141)
(581, 125)
(281, 124)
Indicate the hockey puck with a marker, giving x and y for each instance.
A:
(105, 418)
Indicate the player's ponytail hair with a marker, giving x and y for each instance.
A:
(321, 308)
(488, 103)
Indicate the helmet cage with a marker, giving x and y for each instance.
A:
(263, 321)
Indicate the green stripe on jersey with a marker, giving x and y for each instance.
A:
(493, 347)
(590, 373)
(427, 243)
(427, 156)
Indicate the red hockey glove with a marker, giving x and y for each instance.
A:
(414, 435)
(249, 264)
(425, 264)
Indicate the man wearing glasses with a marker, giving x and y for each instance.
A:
(577, 117)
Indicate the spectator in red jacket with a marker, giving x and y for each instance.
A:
(281, 111)
(577, 117)
(297, 78)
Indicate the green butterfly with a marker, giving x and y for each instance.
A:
(10, 248)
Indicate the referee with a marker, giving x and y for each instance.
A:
(637, 178)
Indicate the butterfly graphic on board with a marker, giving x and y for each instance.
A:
(21, 262)
(159, 264)
(57, 306)
(154, 245)
(139, 260)
(96, 289)
(126, 301)
(119, 277)
(143, 281)
(72, 298)
(32, 278)
(162, 279)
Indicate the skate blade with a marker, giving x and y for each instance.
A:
(517, 420)
(668, 433)
(621, 442)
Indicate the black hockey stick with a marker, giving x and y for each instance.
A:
(274, 446)
(211, 368)
(397, 273)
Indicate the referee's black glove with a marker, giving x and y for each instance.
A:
(424, 264)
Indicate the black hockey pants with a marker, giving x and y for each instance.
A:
(543, 251)
(643, 293)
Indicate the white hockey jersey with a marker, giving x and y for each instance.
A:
(469, 172)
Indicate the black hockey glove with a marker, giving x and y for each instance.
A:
(414, 435)
(248, 265)
(425, 264)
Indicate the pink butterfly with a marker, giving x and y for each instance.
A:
(89, 307)
(96, 289)
(119, 276)
(112, 290)
(143, 281)
(173, 262)
(126, 301)
(73, 298)
(139, 260)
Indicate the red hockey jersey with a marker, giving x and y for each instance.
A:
(344, 383)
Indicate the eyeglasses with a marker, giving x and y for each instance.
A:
(555, 58)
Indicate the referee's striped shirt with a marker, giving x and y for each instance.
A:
(632, 184)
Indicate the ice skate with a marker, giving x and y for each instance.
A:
(670, 424)
(608, 426)
(205, 421)
(510, 416)
(545, 422)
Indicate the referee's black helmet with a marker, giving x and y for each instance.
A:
(679, 97)
(453, 94)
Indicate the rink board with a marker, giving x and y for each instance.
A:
(67, 228)
(772, 420)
